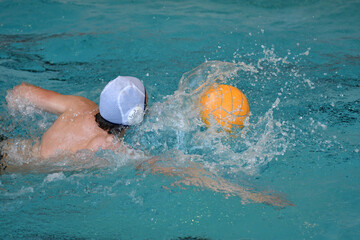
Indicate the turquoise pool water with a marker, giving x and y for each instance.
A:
(297, 62)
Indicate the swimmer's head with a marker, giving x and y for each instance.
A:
(123, 101)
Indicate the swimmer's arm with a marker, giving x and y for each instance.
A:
(219, 184)
(195, 175)
(43, 99)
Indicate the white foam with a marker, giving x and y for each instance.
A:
(136, 198)
(54, 177)
(17, 104)
(22, 191)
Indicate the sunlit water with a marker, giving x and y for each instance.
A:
(296, 61)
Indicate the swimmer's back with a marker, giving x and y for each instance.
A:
(75, 129)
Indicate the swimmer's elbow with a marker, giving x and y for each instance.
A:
(21, 90)
(13, 95)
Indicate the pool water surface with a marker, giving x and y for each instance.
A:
(298, 64)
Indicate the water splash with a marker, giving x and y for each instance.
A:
(23, 118)
(202, 77)
(54, 177)
(176, 124)
(18, 105)
(264, 140)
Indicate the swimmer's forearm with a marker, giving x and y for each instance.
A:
(219, 184)
(199, 177)
(28, 94)
(222, 185)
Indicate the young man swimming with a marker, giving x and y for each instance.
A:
(81, 124)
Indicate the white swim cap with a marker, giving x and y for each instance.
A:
(122, 101)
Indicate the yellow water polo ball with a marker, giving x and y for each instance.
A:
(225, 104)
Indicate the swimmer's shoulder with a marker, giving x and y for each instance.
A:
(76, 103)
(101, 141)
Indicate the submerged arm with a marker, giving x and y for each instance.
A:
(195, 175)
(202, 178)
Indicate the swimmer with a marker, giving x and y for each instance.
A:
(81, 123)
